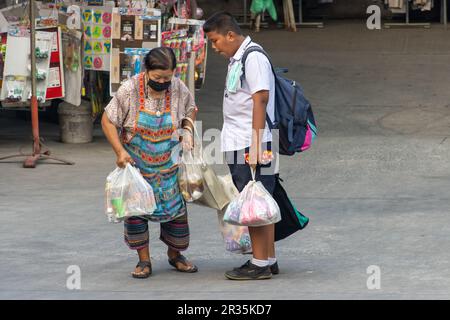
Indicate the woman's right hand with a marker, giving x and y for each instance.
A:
(123, 158)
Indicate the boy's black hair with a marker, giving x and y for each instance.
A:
(222, 22)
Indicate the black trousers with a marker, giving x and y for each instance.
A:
(240, 170)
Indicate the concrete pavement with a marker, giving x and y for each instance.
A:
(375, 186)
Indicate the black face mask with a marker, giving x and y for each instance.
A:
(157, 86)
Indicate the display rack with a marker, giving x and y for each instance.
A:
(300, 22)
(407, 22)
(245, 22)
(131, 29)
(193, 67)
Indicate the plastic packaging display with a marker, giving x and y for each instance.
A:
(127, 194)
(190, 177)
(253, 207)
(41, 53)
(15, 88)
(133, 62)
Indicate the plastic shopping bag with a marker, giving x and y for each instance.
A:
(190, 177)
(128, 194)
(236, 238)
(253, 207)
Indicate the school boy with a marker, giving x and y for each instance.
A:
(246, 139)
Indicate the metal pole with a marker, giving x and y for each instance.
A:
(245, 12)
(33, 48)
(30, 162)
(300, 12)
(407, 11)
(445, 14)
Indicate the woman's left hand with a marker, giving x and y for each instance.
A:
(188, 141)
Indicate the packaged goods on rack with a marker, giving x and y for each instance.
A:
(134, 32)
(97, 37)
(2, 56)
(17, 71)
(132, 62)
(187, 39)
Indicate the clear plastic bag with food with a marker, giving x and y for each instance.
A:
(190, 177)
(253, 207)
(236, 238)
(127, 194)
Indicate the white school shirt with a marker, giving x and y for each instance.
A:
(238, 107)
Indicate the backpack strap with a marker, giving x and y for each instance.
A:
(244, 58)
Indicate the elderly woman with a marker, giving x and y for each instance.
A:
(151, 110)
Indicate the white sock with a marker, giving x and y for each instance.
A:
(260, 263)
(272, 261)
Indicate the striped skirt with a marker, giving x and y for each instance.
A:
(174, 233)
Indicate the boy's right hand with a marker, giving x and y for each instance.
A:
(123, 158)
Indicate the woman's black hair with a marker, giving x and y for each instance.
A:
(161, 58)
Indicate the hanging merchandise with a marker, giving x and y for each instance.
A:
(181, 44)
(201, 52)
(17, 86)
(97, 37)
(3, 37)
(74, 20)
(134, 32)
(423, 5)
(44, 42)
(182, 9)
(55, 85)
(399, 6)
(71, 47)
(132, 62)
(4, 24)
(15, 71)
(259, 6)
(187, 39)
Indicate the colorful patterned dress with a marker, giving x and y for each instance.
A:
(151, 148)
(151, 140)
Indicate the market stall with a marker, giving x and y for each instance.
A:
(86, 49)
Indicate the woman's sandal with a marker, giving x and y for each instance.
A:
(143, 274)
(182, 259)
